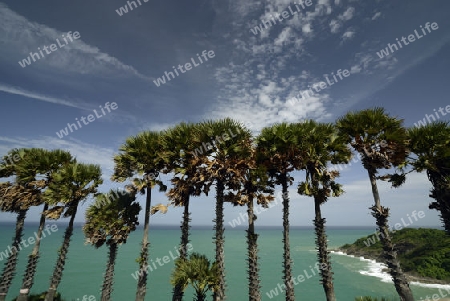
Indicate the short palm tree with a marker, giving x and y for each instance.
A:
(381, 140)
(110, 220)
(71, 185)
(431, 144)
(279, 145)
(320, 145)
(197, 271)
(140, 155)
(222, 164)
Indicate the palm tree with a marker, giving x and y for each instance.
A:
(15, 198)
(180, 159)
(44, 163)
(198, 272)
(71, 185)
(254, 187)
(222, 164)
(110, 220)
(279, 145)
(431, 144)
(140, 155)
(321, 144)
(19, 197)
(381, 140)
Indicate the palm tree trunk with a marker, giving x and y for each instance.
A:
(441, 194)
(381, 215)
(287, 262)
(323, 254)
(219, 294)
(107, 287)
(254, 287)
(143, 263)
(61, 261)
(28, 278)
(10, 265)
(178, 290)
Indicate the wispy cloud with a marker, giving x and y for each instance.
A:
(24, 36)
(37, 96)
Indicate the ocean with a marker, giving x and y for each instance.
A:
(83, 274)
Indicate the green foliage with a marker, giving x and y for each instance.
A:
(424, 252)
(41, 297)
(197, 271)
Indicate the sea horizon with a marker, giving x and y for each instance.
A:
(85, 265)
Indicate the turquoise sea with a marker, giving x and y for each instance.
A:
(85, 264)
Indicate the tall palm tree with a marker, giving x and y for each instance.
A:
(381, 140)
(197, 271)
(431, 144)
(279, 146)
(44, 164)
(254, 187)
(320, 145)
(141, 155)
(224, 143)
(181, 160)
(110, 220)
(71, 185)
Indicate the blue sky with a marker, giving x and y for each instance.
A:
(250, 78)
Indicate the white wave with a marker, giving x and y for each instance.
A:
(375, 269)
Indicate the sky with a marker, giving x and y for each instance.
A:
(104, 65)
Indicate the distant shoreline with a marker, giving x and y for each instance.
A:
(411, 277)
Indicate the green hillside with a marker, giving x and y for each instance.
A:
(422, 252)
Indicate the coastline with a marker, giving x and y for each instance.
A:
(379, 270)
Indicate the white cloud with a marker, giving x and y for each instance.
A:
(376, 16)
(37, 96)
(306, 28)
(24, 36)
(348, 14)
(335, 25)
(84, 152)
(348, 35)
